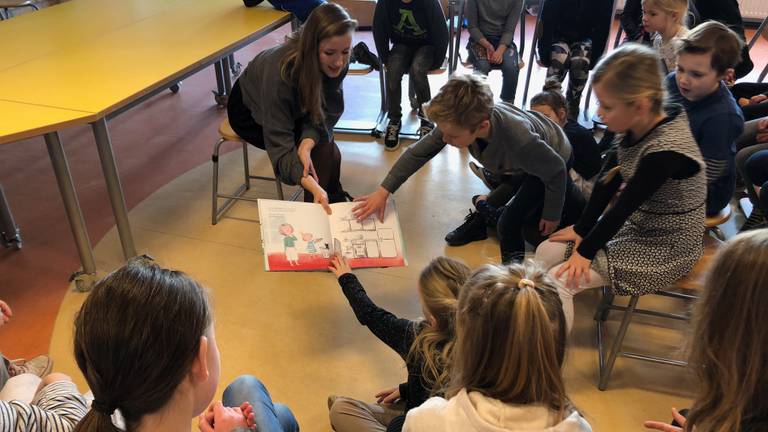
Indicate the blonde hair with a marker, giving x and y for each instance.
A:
(301, 64)
(716, 38)
(680, 7)
(439, 286)
(465, 101)
(731, 341)
(630, 73)
(510, 337)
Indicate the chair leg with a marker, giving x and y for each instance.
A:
(279, 186)
(215, 185)
(605, 372)
(246, 167)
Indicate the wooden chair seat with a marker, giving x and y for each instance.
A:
(695, 279)
(720, 218)
(226, 132)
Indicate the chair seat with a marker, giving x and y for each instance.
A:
(720, 218)
(226, 132)
(437, 71)
(696, 277)
(359, 69)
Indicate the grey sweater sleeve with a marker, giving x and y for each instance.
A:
(511, 22)
(473, 17)
(540, 160)
(414, 158)
(279, 138)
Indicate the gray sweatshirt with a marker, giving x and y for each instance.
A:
(521, 142)
(274, 104)
(493, 18)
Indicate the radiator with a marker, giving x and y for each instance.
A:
(751, 10)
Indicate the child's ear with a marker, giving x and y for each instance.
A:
(199, 370)
(562, 115)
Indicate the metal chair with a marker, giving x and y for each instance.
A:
(684, 289)
(7, 5)
(227, 134)
(347, 126)
(10, 235)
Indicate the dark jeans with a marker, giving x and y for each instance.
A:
(524, 212)
(326, 156)
(414, 61)
(757, 168)
(509, 67)
(747, 90)
(720, 191)
(270, 416)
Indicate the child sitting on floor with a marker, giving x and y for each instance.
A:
(704, 58)
(506, 373)
(425, 345)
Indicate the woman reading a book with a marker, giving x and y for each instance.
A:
(289, 98)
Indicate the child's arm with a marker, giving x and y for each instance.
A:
(438, 33)
(472, 13)
(511, 23)
(409, 162)
(381, 30)
(716, 139)
(390, 329)
(58, 406)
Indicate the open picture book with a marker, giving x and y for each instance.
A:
(298, 236)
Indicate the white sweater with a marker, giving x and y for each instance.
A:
(476, 412)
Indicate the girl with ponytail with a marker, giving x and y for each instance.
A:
(507, 359)
(425, 345)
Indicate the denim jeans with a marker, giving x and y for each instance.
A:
(270, 416)
(510, 70)
(414, 61)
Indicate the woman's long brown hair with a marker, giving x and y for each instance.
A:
(301, 65)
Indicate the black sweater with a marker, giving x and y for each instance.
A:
(397, 333)
(574, 21)
(428, 17)
(652, 171)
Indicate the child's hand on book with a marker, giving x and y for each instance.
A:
(370, 204)
(339, 265)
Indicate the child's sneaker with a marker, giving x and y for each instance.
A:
(425, 128)
(392, 136)
(473, 229)
(40, 366)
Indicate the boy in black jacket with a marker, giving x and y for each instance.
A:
(419, 39)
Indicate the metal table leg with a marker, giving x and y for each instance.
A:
(114, 188)
(83, 280)
(221, 92)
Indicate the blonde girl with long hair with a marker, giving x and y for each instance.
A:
(424, 344)
(730, 343)
(506, 369)
(289, 98)
(652, 236)
(665, 20)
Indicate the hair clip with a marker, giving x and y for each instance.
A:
(526, 283)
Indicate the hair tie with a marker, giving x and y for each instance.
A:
(526, 283)
(103, 407)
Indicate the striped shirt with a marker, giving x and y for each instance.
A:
(58, 407)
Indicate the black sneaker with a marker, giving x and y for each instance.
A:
(756, 220)
(362, 54)
(425, 128)
(392, 136)
(473, 229)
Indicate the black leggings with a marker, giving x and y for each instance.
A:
(326, 156)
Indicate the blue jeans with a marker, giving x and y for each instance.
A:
(270, 416)
(509, 67)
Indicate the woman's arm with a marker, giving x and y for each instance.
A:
(381, 30)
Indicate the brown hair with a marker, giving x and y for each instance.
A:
(136, 337)
(680, 7)
(713, 37)
(551, 96)
(510, 337)
(301, 64)
(731, 341)
(439, 286)
(465, 101)
(630, 73)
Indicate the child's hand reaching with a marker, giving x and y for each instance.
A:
(339, 265)
(218, 418)
(5, 313)
(388, 396)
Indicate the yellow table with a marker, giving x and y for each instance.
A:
(100, 58)
(20, 121)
